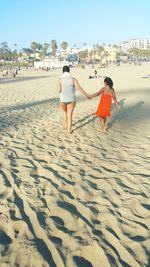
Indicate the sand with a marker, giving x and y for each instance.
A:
(81, 199)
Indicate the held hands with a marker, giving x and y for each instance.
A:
(89, 96)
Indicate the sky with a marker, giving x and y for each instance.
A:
(74, 21)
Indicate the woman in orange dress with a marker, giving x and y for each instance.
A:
(107, 94)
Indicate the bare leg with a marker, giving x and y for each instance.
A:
(105, 128)
(65, 119)
(64, 107)
(70, 109)
(103, 123)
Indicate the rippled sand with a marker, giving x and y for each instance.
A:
(81, 199)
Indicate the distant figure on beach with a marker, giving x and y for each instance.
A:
(5, 73)
(107, 94)
(94, 75)
(66, 89)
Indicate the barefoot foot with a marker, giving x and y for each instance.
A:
(70, 131)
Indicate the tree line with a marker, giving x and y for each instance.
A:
(11, 55)
(8, 54)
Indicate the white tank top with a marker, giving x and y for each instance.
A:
(67, 88)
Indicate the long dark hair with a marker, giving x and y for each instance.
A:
(109, 82)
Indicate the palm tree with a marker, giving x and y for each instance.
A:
(27, 51)
(14, 55)
(34, 46)
(39, 46)
(5, 51)
(43, 50)
(4, 44)
(83, 55)
(64, 46)
(40, 50)
(15, 45)
(45, 47)
(54, 47)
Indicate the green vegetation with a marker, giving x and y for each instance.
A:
(6, 54)
(139, 53)
(38, 51)
(54, 47)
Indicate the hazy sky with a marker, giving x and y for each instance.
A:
(74, 21)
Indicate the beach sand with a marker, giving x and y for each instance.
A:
(81, 199)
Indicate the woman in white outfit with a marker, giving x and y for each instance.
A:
(66, 89)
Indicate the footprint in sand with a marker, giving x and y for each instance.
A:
(29, 189)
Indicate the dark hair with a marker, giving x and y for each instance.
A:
(109, 82)
(66, 69)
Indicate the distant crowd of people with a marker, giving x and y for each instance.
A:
(9, 72)
(45, 68)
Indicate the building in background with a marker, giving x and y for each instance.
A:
(135, 43)
(50, 63)
(111, 54)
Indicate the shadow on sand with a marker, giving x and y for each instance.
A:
(92, 117)
(28, 105)
(129, 114)
(22, 78)
(86, 120)
(10, 119)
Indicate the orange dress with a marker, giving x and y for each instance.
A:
(105, 104)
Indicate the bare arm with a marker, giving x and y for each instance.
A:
(98, 93)
(115, 98)
(59, 86)
(79, 88)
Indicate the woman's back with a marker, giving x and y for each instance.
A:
(67, 88)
